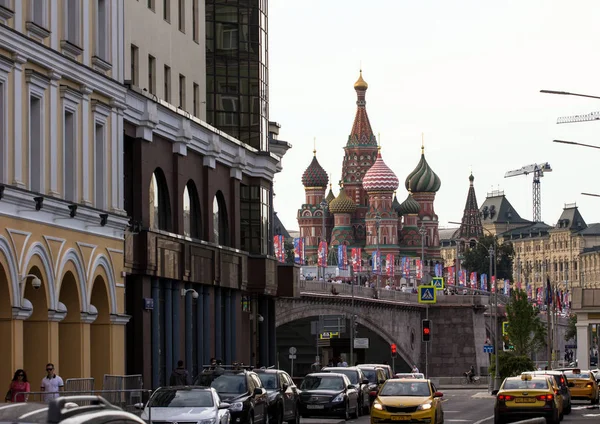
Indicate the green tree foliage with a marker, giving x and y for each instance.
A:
(571, 333)
(511, 364)
(288, 245)
(525, 329)
(477, 259)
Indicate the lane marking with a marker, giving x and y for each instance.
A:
(484, 420)
(457, 421)
(482, 395)
(451, 411)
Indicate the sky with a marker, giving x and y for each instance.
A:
(467, 74)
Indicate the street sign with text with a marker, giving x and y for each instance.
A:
(488, 349)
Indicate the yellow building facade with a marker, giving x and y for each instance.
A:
(62, 219)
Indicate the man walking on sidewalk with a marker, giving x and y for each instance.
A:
(180, 376)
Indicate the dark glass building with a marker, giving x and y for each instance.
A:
(237, 77)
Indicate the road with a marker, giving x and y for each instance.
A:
(476, 406)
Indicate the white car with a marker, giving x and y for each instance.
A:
(196, 404)
(416, 375)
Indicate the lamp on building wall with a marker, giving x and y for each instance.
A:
(103, 219)
(192, 291)
(36, 283)
(39, 202)
(72, 211)
(1, 191)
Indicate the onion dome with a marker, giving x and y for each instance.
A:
(410, 206)
(380, 177)
(315, 175)
(330, 195)
(396, 204)
(360, 83)
(423, 179)
(342, 203)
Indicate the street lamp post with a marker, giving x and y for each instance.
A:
(378, 258)
(323, 237)
(497, 380)
(422, 232)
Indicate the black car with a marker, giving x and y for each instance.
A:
(360, 382)
(328, 394)
(283, 396)
(376, 377)
(242, 389)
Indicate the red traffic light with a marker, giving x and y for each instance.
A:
(394, 349)
(426, 331)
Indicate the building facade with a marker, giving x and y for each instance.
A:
(61, 195)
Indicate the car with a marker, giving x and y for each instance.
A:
(527, 396)
(186, 403)
(417, 375)
(241, 388)
(360, 382)
(283, 395)
(327, 393)
(408, 400)
(389, 373)
(584, 385)
(376, 377)
(563, 385)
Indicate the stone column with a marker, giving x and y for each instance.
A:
(228, 358)
(87, 319)
(54, 120)
(19, 60)
(583, 342)
(85, 145)
(168, 330)
(233, 314)
(175, 289)
(155, 333)
(117, 343)
(218, 324)
(272, 334)
(189, 331)
(200, 342)
(206, 321)
(263, 332)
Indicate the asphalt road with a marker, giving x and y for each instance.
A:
(476, 406)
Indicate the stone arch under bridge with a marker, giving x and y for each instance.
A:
(393, 323)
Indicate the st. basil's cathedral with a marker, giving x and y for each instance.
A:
(367, 195)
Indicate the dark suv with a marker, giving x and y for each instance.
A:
(242, 389)
(359, 381)
(562, 383)
(283, 395)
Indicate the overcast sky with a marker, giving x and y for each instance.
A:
(465, 73)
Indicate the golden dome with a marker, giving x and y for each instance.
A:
(342, 203)
(360, 83)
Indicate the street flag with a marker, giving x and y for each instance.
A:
(451, 281)
(483, 279)
(356, 253)
(438, 270)
(548, 291)
(278, 247)
(281, 248)
(322, 254)
(419, 269)
(376, 261)
(389, 264)
(342, 257)
(493, 284)
(299, 250)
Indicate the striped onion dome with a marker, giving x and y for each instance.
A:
(342, 203)
(380, 177)
(423, 179)
(315, 175)
(330, 195)
(410, 206)
(396, 204)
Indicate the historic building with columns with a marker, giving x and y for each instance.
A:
(62, 292)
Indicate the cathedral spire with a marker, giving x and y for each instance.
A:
(361, 134)
(470, 227)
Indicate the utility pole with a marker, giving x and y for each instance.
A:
(422, 232)
(378, 258)
(496, 341)
(352, 317)
(323, 238)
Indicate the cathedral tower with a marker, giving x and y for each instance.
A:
(470, 228)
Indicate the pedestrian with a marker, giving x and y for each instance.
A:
(52, 383)
(180, 376)
(415, 369)
(18, 385)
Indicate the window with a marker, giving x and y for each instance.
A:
(229, 105)
(167, 10)
(229, 37)
(102, 30)
(220, 223)
(100, 166)
(151, 5)
(181, 91)
(36, 141)
(195, 20)
(38, 12)
(167, 84)
(151, 73)
(72, 18)
(191, 211)
(182, 15)
(134, 65)
(70, 155)
(196, 100)
(255, 219)
(160, 210)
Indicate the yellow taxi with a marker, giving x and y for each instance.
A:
(408, 400)
(584, 385)
(528, 396)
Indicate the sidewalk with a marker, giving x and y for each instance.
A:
(321, 421)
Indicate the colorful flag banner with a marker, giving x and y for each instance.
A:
(389, 264)
(438, 270)
(483, 282)
(405, 267)
(342, 257)
(418, 269)
(322, 254)
(299, 250)
(451, 276)
(473, 280)
(356, 253)
(376, 261)
(278, 246)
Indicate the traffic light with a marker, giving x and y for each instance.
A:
(426, 330)
(394, 350)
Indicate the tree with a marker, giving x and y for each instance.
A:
(571, 333)
(511, 364)
(525, 329)
(288, 245)
(477, 259)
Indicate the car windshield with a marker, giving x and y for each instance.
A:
(230, 383)
(193, 398)
(525, 384)
(322, 383)
(269, 381)
(583, 375)
(351, 374)
(371, 375)
(404, 388)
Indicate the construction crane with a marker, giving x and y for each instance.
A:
(538, 170)
(592, 116)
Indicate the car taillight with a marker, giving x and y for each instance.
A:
(545, 398)
(562, 380)
(505, 398)
(373, 393)
(589, 385)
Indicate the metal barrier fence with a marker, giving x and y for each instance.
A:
(119, 385)
(124, 399)
(79, 384)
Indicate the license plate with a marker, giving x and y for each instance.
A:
(400, 418)
(315, 406)
(524, 400)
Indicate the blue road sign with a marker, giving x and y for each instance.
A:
(488, 349)
(427, 294)
(571, 346)
(438, 283)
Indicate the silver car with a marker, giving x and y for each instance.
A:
(197, 404)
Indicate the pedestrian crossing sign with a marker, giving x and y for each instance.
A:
(427, 294)
(438, 283)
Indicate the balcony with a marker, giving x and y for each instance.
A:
(263, 275)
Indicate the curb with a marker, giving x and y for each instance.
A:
(321, 421)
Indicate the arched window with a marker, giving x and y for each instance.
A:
(220, 223)
(160, 209)
(192, 222)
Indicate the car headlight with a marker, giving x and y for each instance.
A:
(338, 398)
(209, 421)
(236, 406)
(378, 406)
(424, 407)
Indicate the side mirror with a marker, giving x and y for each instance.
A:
(438, 395)
(365, 381)
(224, 405)
(258, 391)
(284, 387)
(139, 406)
(350, 386)
(495, 392)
